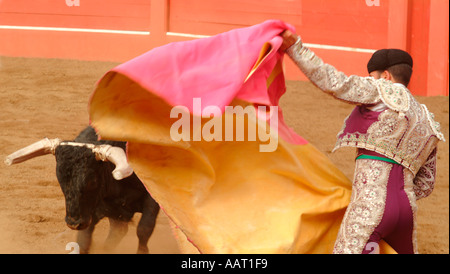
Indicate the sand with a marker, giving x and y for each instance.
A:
(48, 98)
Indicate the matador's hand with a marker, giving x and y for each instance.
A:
(289, 39)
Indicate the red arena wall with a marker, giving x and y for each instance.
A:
(343, 32)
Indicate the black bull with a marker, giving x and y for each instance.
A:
(92, 193)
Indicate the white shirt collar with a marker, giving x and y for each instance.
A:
(399, 84)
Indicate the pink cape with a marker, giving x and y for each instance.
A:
(225, 197)
(217, 70)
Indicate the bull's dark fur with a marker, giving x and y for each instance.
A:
(92, 193)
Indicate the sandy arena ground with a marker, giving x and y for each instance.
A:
(48, 98)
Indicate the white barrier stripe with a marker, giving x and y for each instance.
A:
(187, 35)
(317, 46)
(128, 32)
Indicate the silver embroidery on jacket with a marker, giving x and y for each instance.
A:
(366, 208)
(405, 133)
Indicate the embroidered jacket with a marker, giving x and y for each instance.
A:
(405, 132)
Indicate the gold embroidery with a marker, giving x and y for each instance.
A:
(406, 133)
(395, 97)
(409, 190)
(366, 207)
(353, 89)
(435, 126)
(407, 138)
(425, 178)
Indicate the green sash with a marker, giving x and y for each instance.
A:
(363, 156)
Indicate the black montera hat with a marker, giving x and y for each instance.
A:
(384, 58)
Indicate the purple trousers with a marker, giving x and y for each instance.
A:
(396, 226)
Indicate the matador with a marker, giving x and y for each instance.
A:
(396, 139)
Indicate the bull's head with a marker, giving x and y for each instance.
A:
(80, 173)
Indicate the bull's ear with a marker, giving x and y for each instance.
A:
(117, 156)
(42, 147)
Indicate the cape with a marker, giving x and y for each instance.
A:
(223, 195)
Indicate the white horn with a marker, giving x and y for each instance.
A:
(42, 147)
(117, 156)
